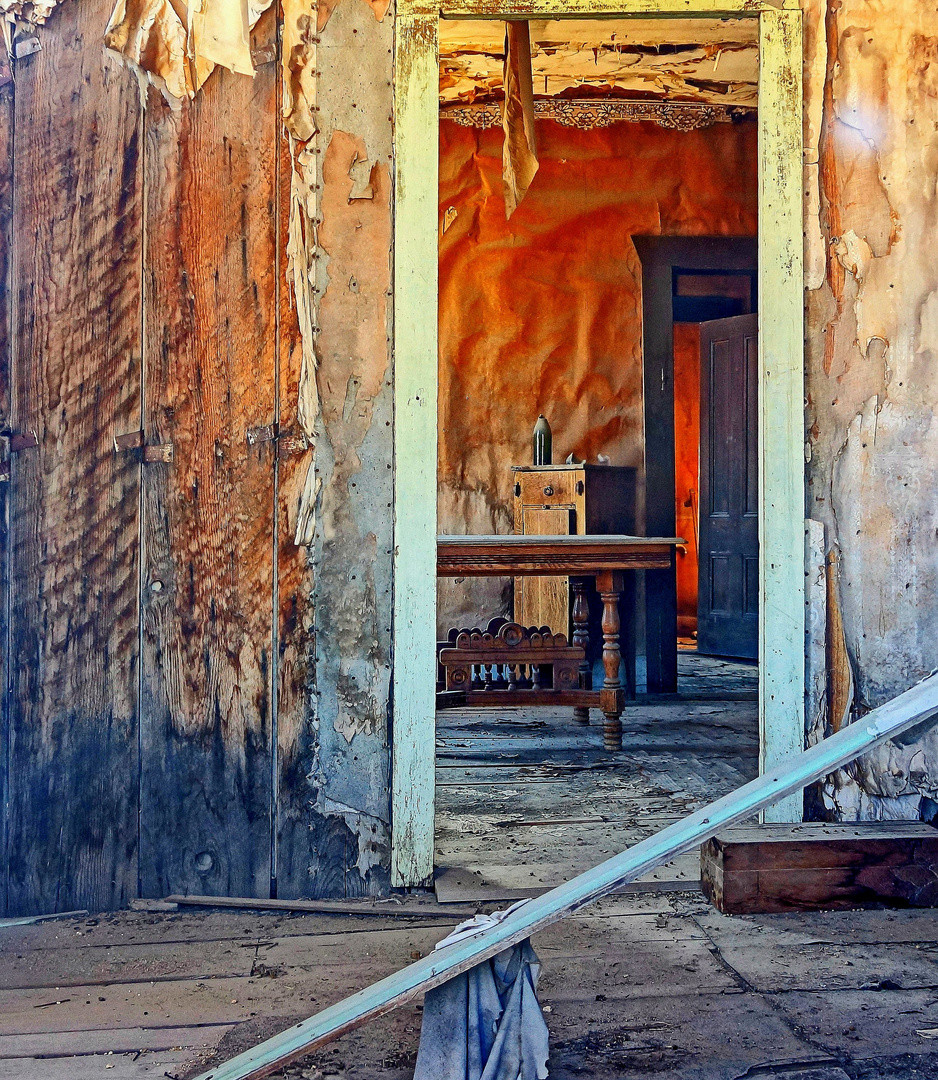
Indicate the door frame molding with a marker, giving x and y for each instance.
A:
(415, 302)
(659, 256)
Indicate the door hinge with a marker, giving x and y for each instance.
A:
(288, 442)
(24, 441)
(148, 453)
(14, 443)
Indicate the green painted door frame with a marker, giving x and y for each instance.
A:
(781, 387)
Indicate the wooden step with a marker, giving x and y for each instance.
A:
(809, 867)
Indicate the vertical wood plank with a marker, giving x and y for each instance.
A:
(210, 370)
(295, 793)
(781, 398)
(6, 345)
(415, 438)
(73, 500)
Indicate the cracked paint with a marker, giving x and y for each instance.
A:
(872, 347)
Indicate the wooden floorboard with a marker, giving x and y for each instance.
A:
(646, 987)
(114, 1066)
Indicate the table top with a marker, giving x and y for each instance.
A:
(525, 555)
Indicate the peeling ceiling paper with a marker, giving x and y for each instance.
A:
(177, 46)
(712, 60)
(34, 11)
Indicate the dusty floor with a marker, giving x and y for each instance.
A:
(648, 985)
(653, 986)
(528, 798)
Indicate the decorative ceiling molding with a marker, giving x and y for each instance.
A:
(588, 113)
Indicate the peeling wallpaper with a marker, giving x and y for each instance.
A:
(872, 363)
(871, 199)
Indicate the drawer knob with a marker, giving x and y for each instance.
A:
(548, 490)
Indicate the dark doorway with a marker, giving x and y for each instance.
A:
(686, 280)
(728, 561)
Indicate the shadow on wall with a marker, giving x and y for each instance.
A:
(542, 314)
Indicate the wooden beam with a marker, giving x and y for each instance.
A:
(415, 447)
(593, 9)
(781, 399)
(408, 908)
(915, 707)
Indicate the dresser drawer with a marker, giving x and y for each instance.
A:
(547, 488)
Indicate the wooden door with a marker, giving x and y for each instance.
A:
(207, 755)
(728, 599)
(69, 748)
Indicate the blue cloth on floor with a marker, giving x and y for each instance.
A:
(486, 1024)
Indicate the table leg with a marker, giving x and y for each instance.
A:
(581, 638)
(609, 584)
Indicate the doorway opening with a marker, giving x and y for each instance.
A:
(554, 311)
(781, 384)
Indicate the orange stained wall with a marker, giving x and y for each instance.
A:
(542, 313)
(686, 466)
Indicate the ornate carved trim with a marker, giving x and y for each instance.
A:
(588, 113)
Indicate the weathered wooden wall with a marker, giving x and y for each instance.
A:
(6, 314)
(194, 701)
(76, 365)
(872, 364)
(194, 706)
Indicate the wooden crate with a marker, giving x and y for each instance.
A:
(810, 867)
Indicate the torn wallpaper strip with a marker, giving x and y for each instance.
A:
(519, 156)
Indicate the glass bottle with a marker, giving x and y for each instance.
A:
(542, 442)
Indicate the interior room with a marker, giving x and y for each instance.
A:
(637, 226)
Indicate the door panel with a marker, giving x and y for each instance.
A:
(728, 606)
(70, 749)
(208, 588)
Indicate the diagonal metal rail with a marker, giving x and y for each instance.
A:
(918, 706)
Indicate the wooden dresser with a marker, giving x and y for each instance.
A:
(557, 500)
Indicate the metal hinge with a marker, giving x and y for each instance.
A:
(149, 453)
(15, 443)
(288, 443)
(23, 441)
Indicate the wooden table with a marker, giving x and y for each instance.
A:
(602, 558)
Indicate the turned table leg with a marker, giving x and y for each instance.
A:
(581, 638)
(609, 584)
